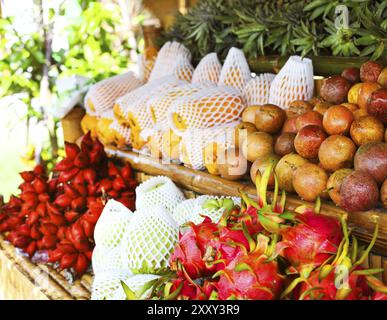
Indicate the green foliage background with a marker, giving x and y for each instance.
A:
(283, 27)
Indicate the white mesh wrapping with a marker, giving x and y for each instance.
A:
(214, 214)
(112, 224)
(145, 67)
(106, 284)
(293, 82)
(183, 69)
(257, 90)
(105, 259)
(194, 141)
(102, 95)
(159, 105)
(167, 59)
(182, 212)
(235, 71)
(149, 240)
(208, 70)
(212, 106)
(158, 190)
(133, 106)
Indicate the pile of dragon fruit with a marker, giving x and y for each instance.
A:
(253, 250)
(53, 218)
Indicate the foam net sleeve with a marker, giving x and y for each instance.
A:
(235, 71)
(183, 211)
(209, 107)
(167, 59)
(145, 67)
(257, 90)
(121, 134)
(104, 259)
(293, 82)
(111, 225)
(131, 109)
(214, 214)
(158, 190)
(159, 105)
(208, 70)
(194, 141)
(107, 283)
(102, 95)
(149, 240)
(183, 68)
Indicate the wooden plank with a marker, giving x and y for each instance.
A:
(22, 279)
(362, 223)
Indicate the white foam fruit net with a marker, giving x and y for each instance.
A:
(208, 70)
(102, 95)
(183, 211)
(158, 190)
(209, 107)
(111, 225)
(159, 105)
(132, 108)
(145, 67)
(293, 82)
(167, 59)
(235, 71)
(106, 284)
(106, 259)
(149, 240)
(213, 213)
(195, 140)
(257, 90)
(183, 69)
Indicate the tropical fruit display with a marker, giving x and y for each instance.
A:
(239, 249)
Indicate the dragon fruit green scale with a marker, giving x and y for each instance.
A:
(149, 240)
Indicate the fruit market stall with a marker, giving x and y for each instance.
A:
(183, 180)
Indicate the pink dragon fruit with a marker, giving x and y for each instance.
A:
(251, 277)
(308, 244)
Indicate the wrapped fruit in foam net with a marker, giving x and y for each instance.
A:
(194, 141)
(149, 240)
(183, 69)
(208, 70)
(213, 207)
(111, 225)
(145, 67)
(158, 191)
(257, 90)
(293, 82)
(195, 210)
(167, 60)
(210, 107)
(159, 105)
(235, 71)
(131, 110)
(170, 146)
(102, 95)
(105, 259)
(106, 285)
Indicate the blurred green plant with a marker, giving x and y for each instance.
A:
(97, 47)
